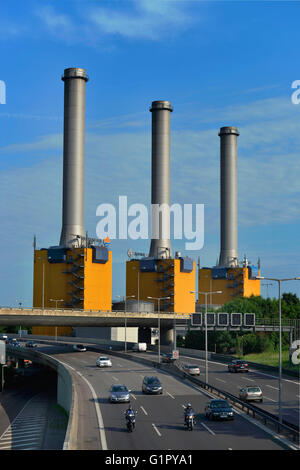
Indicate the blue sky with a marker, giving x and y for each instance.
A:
(219, 63)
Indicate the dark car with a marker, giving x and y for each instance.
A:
(238, 366)
(152, 385)
(218, 409)
(168, 358)
(30, 344)
(15, 344)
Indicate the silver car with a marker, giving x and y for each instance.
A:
(103, 361)
(251, 393)
(119, 394)
(191, 369)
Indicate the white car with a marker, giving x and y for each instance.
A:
(79, 347)
(103, 361)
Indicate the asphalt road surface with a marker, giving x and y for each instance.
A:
(159, 423)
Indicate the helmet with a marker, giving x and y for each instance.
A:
(188, 405)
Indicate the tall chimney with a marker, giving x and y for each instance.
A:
(229, 203)
(160, 186)
(73, 173)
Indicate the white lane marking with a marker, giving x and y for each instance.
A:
(246, 378)
(133, 396)
(271, 386)
(271, 399)
(99, 415)
(208, 429)
(220, 380)
(144, 411)
(170, 395)
(155, 428)
(115, 378)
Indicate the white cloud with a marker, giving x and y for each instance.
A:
(147, 20)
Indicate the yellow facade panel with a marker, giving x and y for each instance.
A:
(167, 281)
(237, 284)
(78, 281)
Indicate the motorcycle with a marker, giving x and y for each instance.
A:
(190, 421)
(130, 422)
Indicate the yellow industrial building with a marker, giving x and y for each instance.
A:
(158, 278)
(233, 282)
(77, 278)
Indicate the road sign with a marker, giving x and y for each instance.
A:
(175, 354)
(249, 319)
(196, 319)
(236, 319)
(211, 319)
(223, 319)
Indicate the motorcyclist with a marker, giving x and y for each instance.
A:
(188, 411)
(129, 412)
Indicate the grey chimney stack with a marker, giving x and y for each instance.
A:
(73, 167)
(229, 201)
(160, 184)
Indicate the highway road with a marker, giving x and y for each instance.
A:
(219, 376)
(159, 418)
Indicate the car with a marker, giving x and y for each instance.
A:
(103, 361)
(30, 344)
(219, 409)
(191, 369)
(79, 347)
(152, 385)
(11, 340)
(251, 393)
(15, 344)
(3, 337)
(119, 393)
(168, 358)
(238, 365)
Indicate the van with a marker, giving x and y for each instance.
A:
(139, 347)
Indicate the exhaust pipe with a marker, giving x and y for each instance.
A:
(73, 166)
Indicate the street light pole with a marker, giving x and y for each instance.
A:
(125, 318)
(205, 324)
(279, 338)
(138, 273)
(158, 300)
(56, 301)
